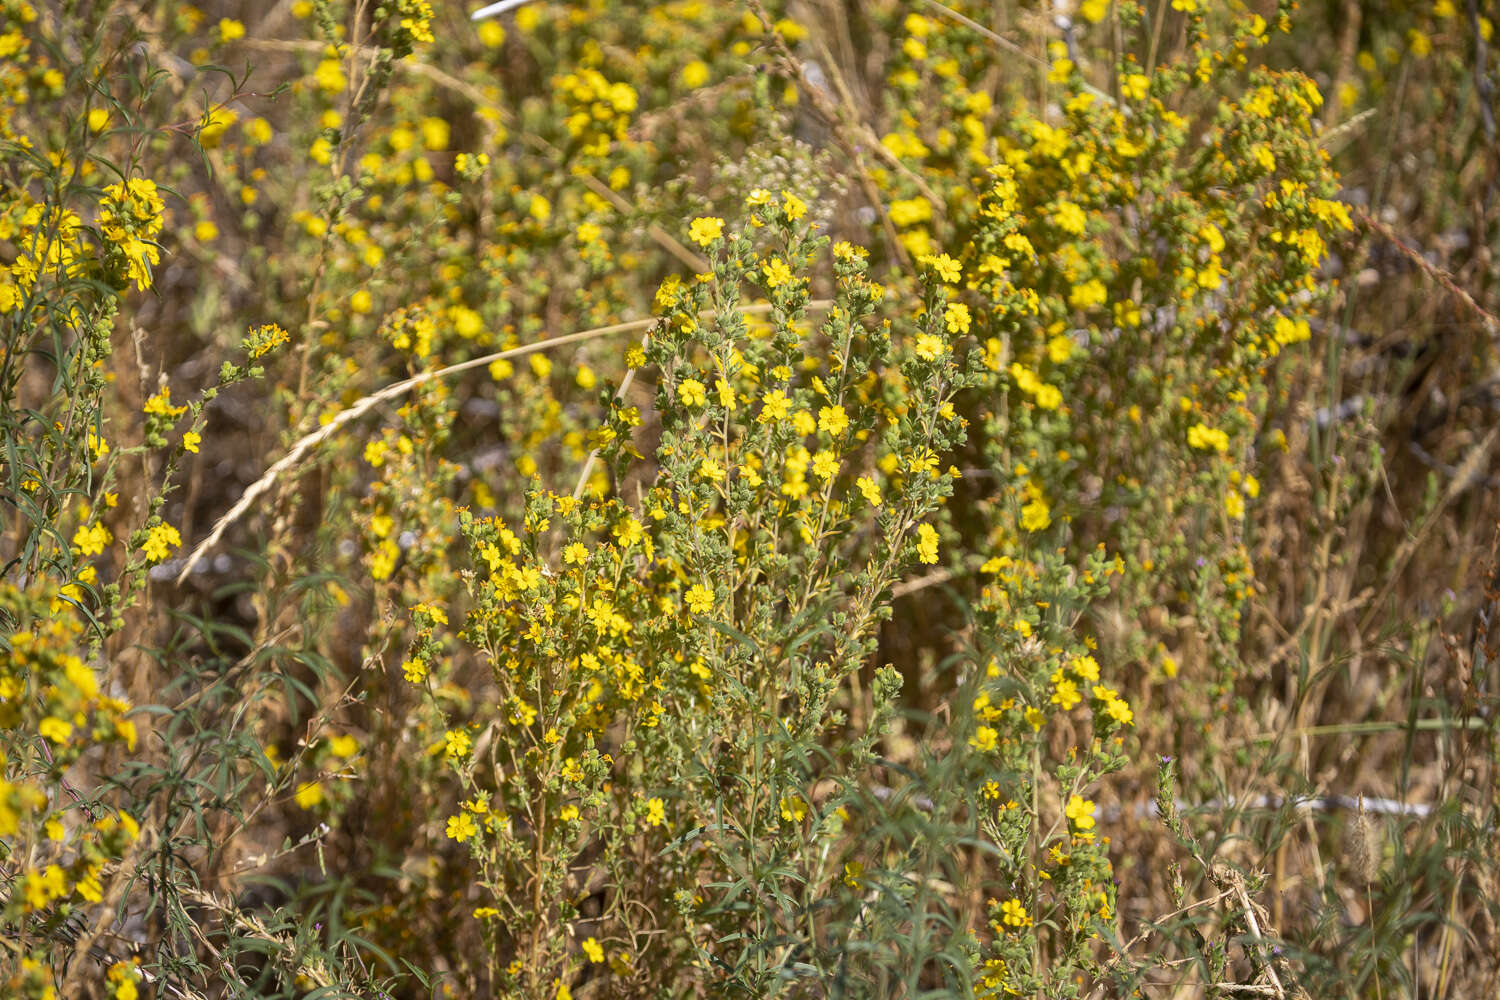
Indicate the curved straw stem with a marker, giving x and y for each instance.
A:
(310, 441)
(361, 407)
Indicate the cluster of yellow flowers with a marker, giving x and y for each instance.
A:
(131, 214)
(58, 848)
(681, 642)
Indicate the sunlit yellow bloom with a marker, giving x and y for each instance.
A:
(461, 827)
(927, 543)
(692, 392)
(161, 539)
(705, 229)
(309, 794)
(699, 599)
(1013, 914)
(1080, 812)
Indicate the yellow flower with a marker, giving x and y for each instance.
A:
(1207, 438)
(774, 405)
(629, 531)
(309, 794)
(190, 441)
(55, 730)
(330, 77)
(695, 74)
(343, 745)
(456, 744)
(833, 420)
(594, 950)
(1115, 707)
(1080, 812)
(1287, 331)
(927, 543)
(1234, 504)
(1013, 914)
(1036, 515)
(215, 123)
(264, 339)
(258, 131)
(1059, 349)
(930, 347)
(700, 599)
(461, 827)
(160, 541)
(435, 133)
(793, 808)
(230, 29)
(656, 812)
(956, 317)
(870, 489)
(705, 229)
(777, 272)
(1068, 217)
(910, 211)
(692, 392)
(491, 34)
(383, 560)
(1088, 294)
(726, 394)
(946, 267)
(92, 539)
(160, 405)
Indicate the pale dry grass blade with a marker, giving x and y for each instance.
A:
(311, 441)
(496, 9)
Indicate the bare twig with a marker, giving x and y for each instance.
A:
(921, 583)
(1442, 277)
